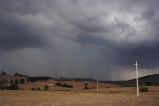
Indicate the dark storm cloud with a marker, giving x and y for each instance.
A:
(84, 38)
(15, 36)
(123, 55)
(135, 45)
(146, 55)
(13, 33)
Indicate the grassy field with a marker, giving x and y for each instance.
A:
(113, 97)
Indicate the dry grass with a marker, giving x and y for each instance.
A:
(52, 98)
(77, 85)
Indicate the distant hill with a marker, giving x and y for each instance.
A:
(75, 79)
(38, 78)
(17, 74)
(148, 80)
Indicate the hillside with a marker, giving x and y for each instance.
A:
(148, 80)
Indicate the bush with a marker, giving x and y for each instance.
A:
(4, 85)
(13, 86)
(16, 81)
(11, 81)
(67, 86)
(148, 83)
(33, 89)
(58, 84)
(63, 85)
(46, 87)
(22, 81)
(38, 88)
(86, 86)
(3, 72)
(143, 89)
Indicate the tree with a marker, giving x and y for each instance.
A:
(58, 84)
(16, 81)
(148, 83)
(86, 86)
(11, 81)
(144, 89)
(22, 81)
(46, 87)
(38, 88)
(67, 85)
(13, 86)
(63, 85)
(3, 72)
(33, 89)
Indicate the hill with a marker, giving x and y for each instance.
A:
(38, 78)
(149, 80)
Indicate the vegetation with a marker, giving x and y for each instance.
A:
(46, 87)
(58, 84)
(22, 81)
(34, 79)
(16, 81)
(40, 98)
(86, 86)
(33, 89)
(63, 85)
(38, 88)
(13, 86)
(3, 72)
(2, 85)
(143, 89)
(67, 85)
(148, 83)
(11, 81)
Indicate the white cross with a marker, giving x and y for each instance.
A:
(97, 87)
(137, 82)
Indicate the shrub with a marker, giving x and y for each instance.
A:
(13, 86)
(33, 89)
(86, 86)
(63, 85)
(38, 88)
(46, 87)
(11, 81)
(67, 86)
(143, 89)
(3, 85)
(3, 72)
(22, 81)
(58, 84)
(16, 81)
(148, 83)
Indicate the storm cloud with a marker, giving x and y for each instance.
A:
(90, 38)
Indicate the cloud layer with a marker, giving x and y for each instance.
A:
(70, 38)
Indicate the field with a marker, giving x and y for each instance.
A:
(107, 97)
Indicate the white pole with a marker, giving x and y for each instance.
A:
(137, 82)
(97, 87)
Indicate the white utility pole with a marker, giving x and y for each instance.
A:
(137, 82)
(97, 87)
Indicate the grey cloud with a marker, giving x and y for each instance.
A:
(80, 38)
(15, 34)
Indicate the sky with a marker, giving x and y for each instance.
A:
(98, 39)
